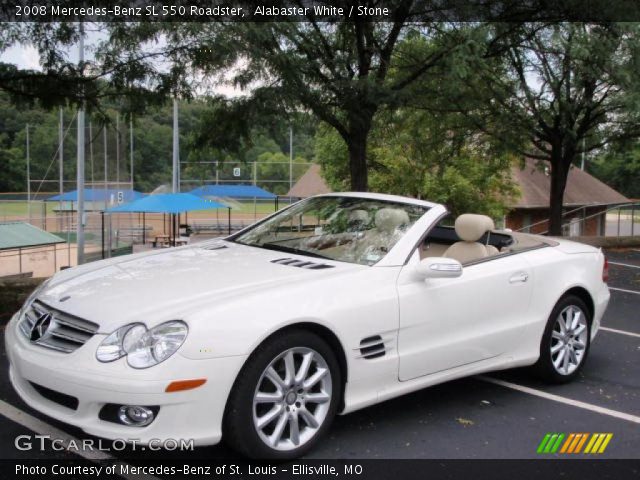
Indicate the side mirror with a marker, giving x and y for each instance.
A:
(439, 267)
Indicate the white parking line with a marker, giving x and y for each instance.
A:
(621, 332)
(624, 290)
(567, 401)
(42, 428)
(623, 264)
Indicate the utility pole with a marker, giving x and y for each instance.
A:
(107, 243)
(131, 149)
(118, 151)
(290, 159)
(61, 163)
(28, 177)
(106, 179)
(91, 154)
(80, 159)
(255, 172)
(176, 150)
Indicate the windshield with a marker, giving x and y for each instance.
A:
(348, 229)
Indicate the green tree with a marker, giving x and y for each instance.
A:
(337, 71)
(340, 72)
(429, 156)
(619, 167)
(565, 88)
(273, 171)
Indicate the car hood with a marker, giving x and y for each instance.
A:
(155, 287)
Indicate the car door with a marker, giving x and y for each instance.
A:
(450, 322)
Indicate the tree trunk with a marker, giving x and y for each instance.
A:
(559, 173)
(358, 161)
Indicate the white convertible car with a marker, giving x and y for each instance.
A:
(335, 303)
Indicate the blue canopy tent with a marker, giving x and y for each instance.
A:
(233, 191)
(169, 203)
(236, 191)
(96, 199)
(98, 195)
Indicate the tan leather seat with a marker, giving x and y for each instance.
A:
(389, 219)
(389, 223)
(470, 228)
(358, 219)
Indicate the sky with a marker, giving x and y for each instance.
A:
(27, 57)
(23, 56)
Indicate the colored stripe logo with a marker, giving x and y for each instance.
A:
(572, 443)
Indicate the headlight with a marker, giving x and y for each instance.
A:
(143, 348)
(112, 347)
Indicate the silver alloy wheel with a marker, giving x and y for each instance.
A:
(569, 340)
(292, 398)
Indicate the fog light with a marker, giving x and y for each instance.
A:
(135, 415)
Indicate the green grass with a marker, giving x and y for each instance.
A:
(21, 208)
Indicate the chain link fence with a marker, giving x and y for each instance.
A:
(108, 235)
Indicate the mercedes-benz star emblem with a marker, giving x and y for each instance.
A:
(40, 327)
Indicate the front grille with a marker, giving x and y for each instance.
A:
(56, 397)
(51, 328)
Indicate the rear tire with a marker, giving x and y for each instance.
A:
(285, 397)
(566, 341)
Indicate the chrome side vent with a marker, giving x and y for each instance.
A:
(294, 262)
(51, 328)
(372, 347)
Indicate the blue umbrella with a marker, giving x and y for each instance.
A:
(171, 203)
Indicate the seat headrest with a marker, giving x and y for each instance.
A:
(359, 216)
(388, 219)
(470, 226)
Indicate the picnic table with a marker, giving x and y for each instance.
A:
(162, 240)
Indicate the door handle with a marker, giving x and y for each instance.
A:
(519, 277)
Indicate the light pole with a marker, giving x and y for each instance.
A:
(28, 176)
(80, 168)
(290, 160)
(175, 185)
(61, 163)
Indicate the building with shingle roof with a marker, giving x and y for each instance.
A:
(585, 197)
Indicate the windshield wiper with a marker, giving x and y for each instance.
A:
(282, 248)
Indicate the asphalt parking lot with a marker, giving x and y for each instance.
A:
(498, 416)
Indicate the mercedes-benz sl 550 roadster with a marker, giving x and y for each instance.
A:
(335, 303)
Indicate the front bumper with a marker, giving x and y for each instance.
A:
(191, 414)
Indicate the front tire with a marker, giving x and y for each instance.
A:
(285, 398)
(566, 341)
